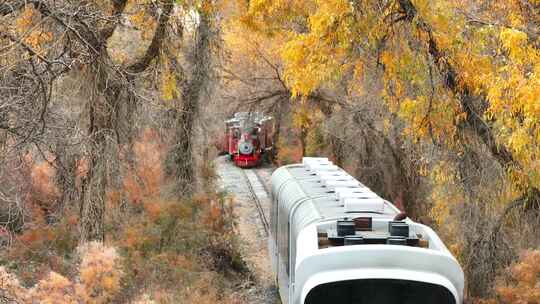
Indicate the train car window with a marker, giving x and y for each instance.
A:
(379, 291)
(274, 218)
(236, 134)
(288, 257)
(283, 242)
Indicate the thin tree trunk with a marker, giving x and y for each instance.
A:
(65, 178)
(192, 90)
(336, 146)
(278, 115)
(92, 209)
(111, 87)
(102, 109)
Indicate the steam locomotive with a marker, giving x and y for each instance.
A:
(248, 138)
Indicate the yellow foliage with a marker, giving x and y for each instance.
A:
(31, 31)
(498, 62)
(169, 89)
(141, 19)
(25, 19)
(514, 42)
(318, 56)
(446, 197)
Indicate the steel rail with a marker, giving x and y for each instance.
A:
(262, 182)
(256, 199)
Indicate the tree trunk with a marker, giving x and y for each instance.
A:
(277, 113)
(101, 131)
(336, 145)
(66, 161)
(92, 209)
(303, 139)
(111, 86)
(192, 90)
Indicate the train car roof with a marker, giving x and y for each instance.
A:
(311, 195)
(293, 183)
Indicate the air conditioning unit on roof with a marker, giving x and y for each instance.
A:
(331, 173)
(359, 189)
(315, 160)
(337, 183)
(322, 167)
(367, 195)
(372, 205)
(336, 178)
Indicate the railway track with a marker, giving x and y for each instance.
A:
(258, 191)
(252, 210)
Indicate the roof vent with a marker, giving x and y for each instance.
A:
(322, 167)
(358, 189)
(322, 174)
(315, 160)
(343, 178)
(373, 205)
(340, 183)
(362, 196)
(351, 190)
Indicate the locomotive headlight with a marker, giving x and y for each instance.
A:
(245, 147)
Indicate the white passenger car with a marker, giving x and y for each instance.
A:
(335, 241)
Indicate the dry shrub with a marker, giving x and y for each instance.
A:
(41, 200)
(145, 178)
(40, 205)
(54, 289)
(42, 248)
(170, 243)
(44, 189)
(15, 185)
(208, 292)
(100, 272)
(522, 286)
(167, 244)
(31, 194)
(140, 187)
(144, 299)
(10, 288)
(98, 282)
(290, 151)
(221, 249)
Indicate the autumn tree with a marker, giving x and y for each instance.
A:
(55, 40)
(458, 79)
(190, 83)
(253, 74)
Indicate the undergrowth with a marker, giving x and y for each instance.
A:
(160, 248)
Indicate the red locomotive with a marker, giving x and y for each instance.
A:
(248, 138)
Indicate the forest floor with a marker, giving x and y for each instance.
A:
(250, 228)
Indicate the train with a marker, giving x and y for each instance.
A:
(248, 138)
(333, 240)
